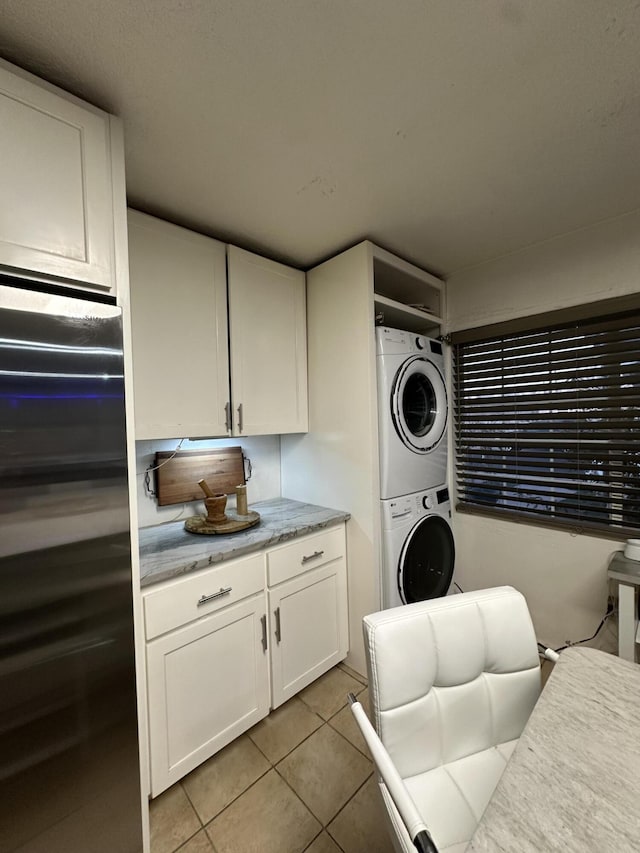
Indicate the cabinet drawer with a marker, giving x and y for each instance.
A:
(186, 599)
(304, 554)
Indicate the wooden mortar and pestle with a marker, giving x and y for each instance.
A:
(215, 504)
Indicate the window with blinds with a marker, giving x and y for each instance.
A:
(547, 423)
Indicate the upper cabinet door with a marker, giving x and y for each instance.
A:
(268, 345)
(56, 210)
(179, 330)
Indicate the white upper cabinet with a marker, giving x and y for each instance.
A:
(268, 345)
(56, 210)
(183, 385)
(179, 324)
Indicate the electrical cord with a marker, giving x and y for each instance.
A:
(147, 479)
(610, 611)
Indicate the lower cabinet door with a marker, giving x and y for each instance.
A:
(309, 628)
(207, 683)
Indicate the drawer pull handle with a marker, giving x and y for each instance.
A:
(276, 613)
(205, 598)
(263, 622)
(313, 556)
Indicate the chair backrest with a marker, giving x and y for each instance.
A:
(451, 676)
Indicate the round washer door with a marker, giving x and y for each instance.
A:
(419, 404)
(425, 567)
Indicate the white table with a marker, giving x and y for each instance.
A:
(627, 573)
(573, 781)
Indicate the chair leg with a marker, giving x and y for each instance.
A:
(424, 843)
(401, 797)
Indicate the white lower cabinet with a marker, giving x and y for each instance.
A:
(213, 646)
(207, 664)
(307, 611)
(208, 683)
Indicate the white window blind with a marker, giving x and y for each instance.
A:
(547, 423)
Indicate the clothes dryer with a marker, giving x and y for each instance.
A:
(418, 550)
(412, 412)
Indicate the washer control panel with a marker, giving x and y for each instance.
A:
(396, 342)
(407, 509)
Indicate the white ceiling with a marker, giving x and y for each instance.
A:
(448, 131)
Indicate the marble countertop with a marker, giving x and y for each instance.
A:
(573, 781)
(167, 550)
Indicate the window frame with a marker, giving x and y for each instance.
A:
(582, 316)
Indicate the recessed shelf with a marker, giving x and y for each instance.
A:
(398, 286)
(399, 316)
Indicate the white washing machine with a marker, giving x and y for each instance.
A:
(418, 551)
(412, 412)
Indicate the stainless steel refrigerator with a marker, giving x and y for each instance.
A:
(69, 766)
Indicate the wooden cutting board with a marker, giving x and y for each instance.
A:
(176, 478)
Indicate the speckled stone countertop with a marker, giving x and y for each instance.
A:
(573, 781)
(167, 550)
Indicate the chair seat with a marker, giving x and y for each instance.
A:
(452, 798)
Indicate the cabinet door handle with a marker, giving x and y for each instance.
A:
(313, 556)
(204, 598)
(263, 622)
(240, 418)
(227, 416)
(276, 613)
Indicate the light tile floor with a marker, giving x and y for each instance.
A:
(300, 780)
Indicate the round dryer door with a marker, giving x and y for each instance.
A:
(419, 404)
(425, 568)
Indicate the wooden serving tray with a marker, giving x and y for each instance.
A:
(233, 524)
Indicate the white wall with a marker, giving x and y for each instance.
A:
(262, 450)
(594, 263)
(562, 575)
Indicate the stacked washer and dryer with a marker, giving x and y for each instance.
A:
(418, 550)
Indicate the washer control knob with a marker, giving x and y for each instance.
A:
(427, 502)
(419, 343)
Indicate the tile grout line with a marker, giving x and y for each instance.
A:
(200, 828)
(308, 807)
(340, 810)
(297, 795)
(237, 797)
(272, 766)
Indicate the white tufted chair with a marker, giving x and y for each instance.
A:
(452, 681)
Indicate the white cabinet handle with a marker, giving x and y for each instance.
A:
(204, 598)
(240, 418)
(278, 632)
(263, 622)
(313, 556)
